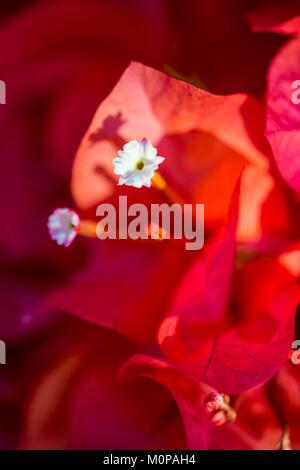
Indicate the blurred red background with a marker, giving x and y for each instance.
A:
(59, 60)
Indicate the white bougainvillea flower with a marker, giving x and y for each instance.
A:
(63, 225)
(137, 163)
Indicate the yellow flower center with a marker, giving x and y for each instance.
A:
(140, 165)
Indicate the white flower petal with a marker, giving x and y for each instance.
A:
(63, 225)
(148, 150)
(147, 182)
(133, 144)
(136, 163)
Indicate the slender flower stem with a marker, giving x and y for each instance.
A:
(88, 228)
(285, 442)
(159, 183)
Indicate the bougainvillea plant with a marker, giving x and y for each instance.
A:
(121, 343)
